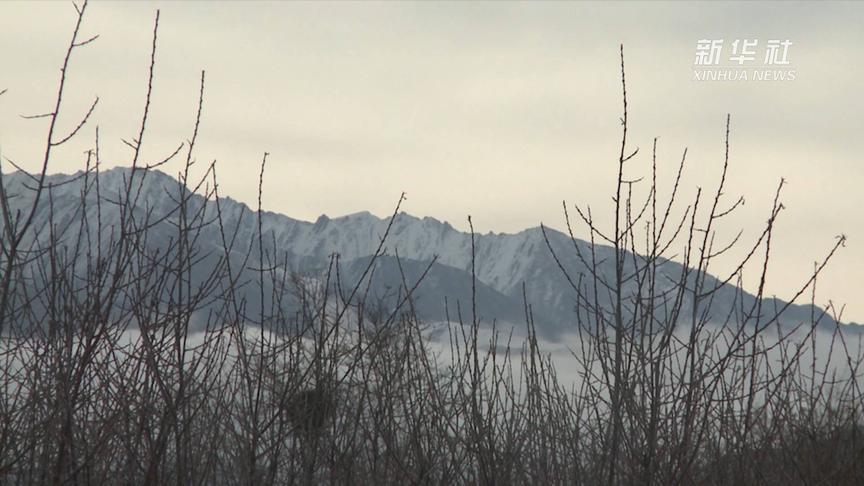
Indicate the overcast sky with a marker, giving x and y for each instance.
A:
(498, 110)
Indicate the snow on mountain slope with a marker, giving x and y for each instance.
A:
(504, 262)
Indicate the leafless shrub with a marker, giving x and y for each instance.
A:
(134, 353)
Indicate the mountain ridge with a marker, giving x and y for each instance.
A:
(503, 262)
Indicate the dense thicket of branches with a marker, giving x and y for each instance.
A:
(102, 381)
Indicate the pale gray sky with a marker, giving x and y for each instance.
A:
(500, 110)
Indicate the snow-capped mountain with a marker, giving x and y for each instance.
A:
(504, 263)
